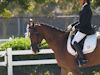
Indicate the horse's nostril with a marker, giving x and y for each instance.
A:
(35, 48)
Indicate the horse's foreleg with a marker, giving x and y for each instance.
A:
(63, 72)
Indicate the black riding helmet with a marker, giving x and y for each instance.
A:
(88, 1)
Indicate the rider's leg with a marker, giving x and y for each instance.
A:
(77, 38)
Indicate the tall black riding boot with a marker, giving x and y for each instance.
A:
(81, 57)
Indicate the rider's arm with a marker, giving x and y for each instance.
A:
(72, 25)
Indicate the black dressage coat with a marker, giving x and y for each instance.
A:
(85, 17)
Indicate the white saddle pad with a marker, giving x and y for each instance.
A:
(88, 47)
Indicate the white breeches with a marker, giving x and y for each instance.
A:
(78, 37)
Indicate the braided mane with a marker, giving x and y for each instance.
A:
(53, 27)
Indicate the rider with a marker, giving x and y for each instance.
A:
(30, 23)
(84, 28)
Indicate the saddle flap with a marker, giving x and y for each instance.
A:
(88, 46)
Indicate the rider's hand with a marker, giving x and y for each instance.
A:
(69, 27)
(73, 28)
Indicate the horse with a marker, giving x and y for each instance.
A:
(57, 41)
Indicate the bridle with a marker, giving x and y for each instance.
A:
(36, 44)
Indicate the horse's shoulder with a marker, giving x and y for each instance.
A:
(98, 37)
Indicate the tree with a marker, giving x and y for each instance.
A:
(40, 7)
(12, 7)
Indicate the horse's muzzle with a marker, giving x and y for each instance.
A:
(35, 48)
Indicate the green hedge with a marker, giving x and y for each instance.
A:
(20, 43)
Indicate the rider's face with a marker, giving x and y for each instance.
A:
(82, 2)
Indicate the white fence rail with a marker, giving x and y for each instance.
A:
(8, 58)
(3, 40)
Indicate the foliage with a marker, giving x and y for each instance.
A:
(41, 7)
(33, 70)
(95, 3)
(15, 6)
(44, 44)
(17, 44)
(20, 44)
(6, 13)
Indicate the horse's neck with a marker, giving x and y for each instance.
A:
(55, 38)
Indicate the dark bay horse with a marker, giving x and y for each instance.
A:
(57, 41)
